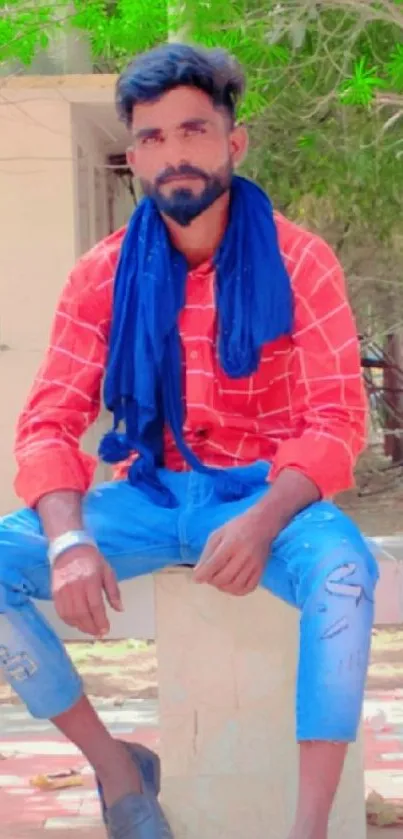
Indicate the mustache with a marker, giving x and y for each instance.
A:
(184, 170)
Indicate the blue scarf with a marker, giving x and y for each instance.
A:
(142, 386)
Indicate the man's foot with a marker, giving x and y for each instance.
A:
(137, 815)
(119, 776)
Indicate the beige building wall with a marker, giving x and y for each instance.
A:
(91, 219)
(37, 249)
(53, 207)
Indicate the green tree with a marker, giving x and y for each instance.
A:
(351, 49)
(324, 105)
(324, 102)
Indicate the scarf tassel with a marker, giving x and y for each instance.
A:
(114, 447)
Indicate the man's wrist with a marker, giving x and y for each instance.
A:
(70, 539)
(267, 518)
(290, 493)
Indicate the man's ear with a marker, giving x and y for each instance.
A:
(131, 159)
(239, 144)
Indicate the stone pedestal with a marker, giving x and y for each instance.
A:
(227, 680)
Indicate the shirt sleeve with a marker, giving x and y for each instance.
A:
(328, 400)
(65, 398)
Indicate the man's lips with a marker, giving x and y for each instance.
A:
(175, 178)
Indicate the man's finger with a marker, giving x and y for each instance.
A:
(65, 606)
(206, 567)
(241, 582)
(254, 579)
(227, 572)
(96, 607)
(62, 607)
(83, 621)
(231, 590)
(73, 610)
(211, 545)
(112, 589)
(82, 614)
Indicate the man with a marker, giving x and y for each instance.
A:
(233, 376)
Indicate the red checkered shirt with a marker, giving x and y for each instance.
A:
(304, 408)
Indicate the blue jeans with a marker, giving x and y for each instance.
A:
(319, 564)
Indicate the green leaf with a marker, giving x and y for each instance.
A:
(395, 67)
(360, 88)
(43, 40)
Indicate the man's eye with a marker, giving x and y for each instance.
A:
(148, 141)
(194, 129)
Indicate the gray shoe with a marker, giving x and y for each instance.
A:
(138, 816)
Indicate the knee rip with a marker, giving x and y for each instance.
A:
(18, 666)
(345, 584)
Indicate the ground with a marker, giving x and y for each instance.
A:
(121, 678)
(376, 503)
(386, 669)
(116, 673)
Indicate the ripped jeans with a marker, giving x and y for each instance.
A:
(319, 564)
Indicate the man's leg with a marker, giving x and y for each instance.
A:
(136, 538)
(320, 768)
(37, 666)
(321, 564)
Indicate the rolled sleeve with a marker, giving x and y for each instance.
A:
(55, 470)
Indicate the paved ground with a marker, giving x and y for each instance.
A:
(29, 748)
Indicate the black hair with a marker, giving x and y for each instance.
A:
(153, 73)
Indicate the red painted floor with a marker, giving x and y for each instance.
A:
(26, 813)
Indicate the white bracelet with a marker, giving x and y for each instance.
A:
(63, 543)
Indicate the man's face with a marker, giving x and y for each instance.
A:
(184, 152)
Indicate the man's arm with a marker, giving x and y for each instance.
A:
(329, 406)
(328, 398)
(65, 397)
(53, 472)
(291, 492)
(60, 512)
(80, 576)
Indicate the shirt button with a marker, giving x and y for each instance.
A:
(194, 354)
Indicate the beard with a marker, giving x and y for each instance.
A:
(183, 205)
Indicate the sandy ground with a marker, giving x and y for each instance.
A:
(386, 668)
(377, 502)
(380, 512)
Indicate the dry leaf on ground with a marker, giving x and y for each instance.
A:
(383, 813)
(57, 780)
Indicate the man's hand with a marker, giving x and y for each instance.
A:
(235, 555)
(80, 577)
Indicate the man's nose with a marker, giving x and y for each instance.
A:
(174, 153)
